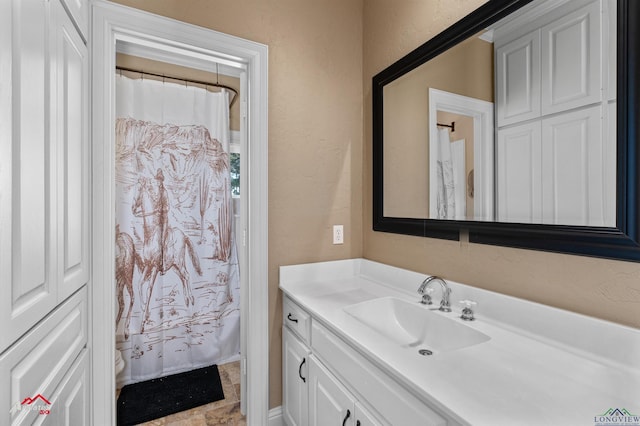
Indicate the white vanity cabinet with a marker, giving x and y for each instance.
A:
(326, 382)
(44, 207)
(368, 366)
(312, 395)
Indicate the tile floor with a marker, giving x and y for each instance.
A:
(224, 412)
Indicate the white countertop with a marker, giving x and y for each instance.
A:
(541, 366)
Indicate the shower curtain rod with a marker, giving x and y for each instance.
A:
(452, 126)
(186, 80)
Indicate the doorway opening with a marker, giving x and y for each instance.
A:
(119, 29)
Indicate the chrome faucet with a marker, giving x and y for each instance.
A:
(446, 292)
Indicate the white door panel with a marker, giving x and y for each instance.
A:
(73, 138)
(28, 167)
(518, 80)
(79, 10)
(518, 174)
(572, 174)
(571, 70)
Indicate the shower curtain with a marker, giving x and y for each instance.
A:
(451, 177)
(177, 274)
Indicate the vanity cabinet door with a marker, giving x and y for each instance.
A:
(295, 379)
(330, 403)
(364, 417)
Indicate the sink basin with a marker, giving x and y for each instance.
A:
(413, 325)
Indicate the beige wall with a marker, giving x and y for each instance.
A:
(315, 127)
(597, 287)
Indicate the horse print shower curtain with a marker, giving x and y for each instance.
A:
(177, 275)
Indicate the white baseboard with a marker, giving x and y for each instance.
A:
(275, 417)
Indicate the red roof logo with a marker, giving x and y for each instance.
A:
(30, 401)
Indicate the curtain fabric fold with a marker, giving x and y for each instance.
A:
(177, 274)
(451, 197)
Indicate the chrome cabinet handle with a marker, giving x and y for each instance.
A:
(344, 422)
(304, 380)
(290, 318)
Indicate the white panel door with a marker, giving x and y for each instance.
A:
(329, 402)
(573, 189)
(79, 10)
(518, 174)
(28, 168)
(295, 379)
(571, 70)
(73, 161)
(518, 80)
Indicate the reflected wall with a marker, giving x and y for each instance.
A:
(465, 70)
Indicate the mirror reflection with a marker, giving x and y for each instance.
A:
(515, 124)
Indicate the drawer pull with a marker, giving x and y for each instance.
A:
(304, 380)
(344, 422)
(290, 318)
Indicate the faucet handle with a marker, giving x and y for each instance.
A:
(467, 312)
(426, 296)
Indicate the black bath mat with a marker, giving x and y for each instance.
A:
(145, 401)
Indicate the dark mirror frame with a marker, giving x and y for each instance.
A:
(621, 242)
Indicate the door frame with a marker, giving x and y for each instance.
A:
(483, 147)
(112, 22)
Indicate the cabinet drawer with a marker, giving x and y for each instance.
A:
(393, 402)
(35, 365)
(297, 319)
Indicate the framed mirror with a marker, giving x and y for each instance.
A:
(517, 124)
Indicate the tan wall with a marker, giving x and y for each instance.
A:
(315, 127)
(601, 288)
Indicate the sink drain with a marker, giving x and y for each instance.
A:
(425, 352)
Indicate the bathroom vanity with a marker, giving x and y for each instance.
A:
(360, 349)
